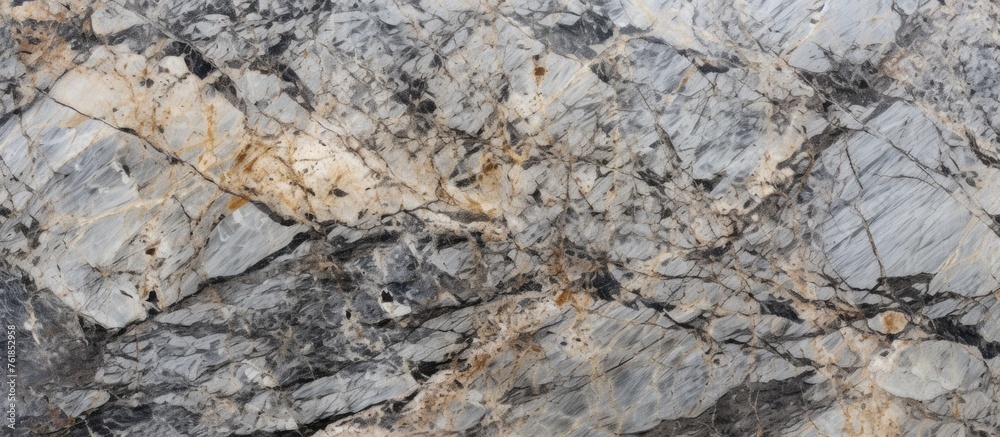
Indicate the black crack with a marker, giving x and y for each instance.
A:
(951, 330)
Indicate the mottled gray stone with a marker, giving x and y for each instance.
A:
(244, 238)
(533, 217)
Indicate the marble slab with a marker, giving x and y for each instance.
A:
(500, 218)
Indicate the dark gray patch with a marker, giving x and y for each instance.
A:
(708, 184)
(849, 84)
(225, 86)
(137, 38)
(590, 29)
(952, 330)
(750, 409)
(781, 309)
(605, 285)
(710, 69)
(366, 309)
(195, 61)
(604, 71)
(575, 39)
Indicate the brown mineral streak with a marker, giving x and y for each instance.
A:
(236, 203)
(563, 297)
(240, 157)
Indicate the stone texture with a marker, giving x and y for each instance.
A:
(640, 217)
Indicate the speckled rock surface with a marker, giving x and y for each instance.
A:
(517, 218)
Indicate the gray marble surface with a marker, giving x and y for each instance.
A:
(501, 218)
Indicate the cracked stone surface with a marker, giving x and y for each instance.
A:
(516, 218)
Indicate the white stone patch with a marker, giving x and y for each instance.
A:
(78, 402)
(852, 30)
(113, 18)
(887, 179)
(244, 238)
(928, 369)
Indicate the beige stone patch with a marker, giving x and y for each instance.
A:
(292, 171)
(889, 322)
